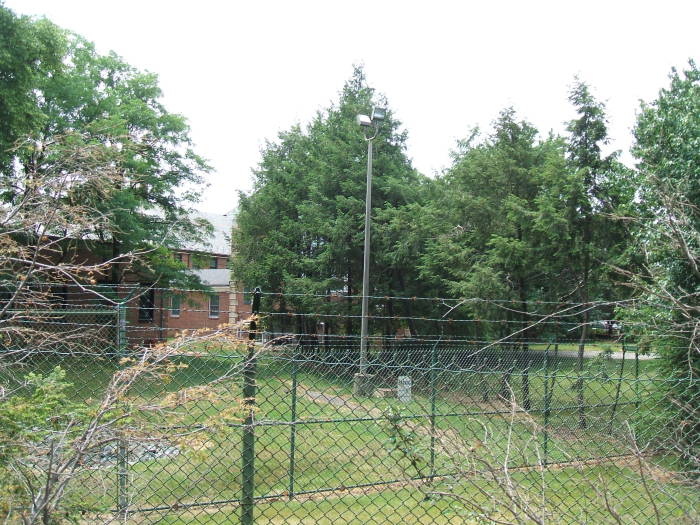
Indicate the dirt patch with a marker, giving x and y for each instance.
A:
(450, 440)
(337, 400)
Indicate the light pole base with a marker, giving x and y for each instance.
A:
(363, 386)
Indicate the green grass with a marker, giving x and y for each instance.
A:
(334, 451)
(599, 346)
(574, 496)
(391, 507)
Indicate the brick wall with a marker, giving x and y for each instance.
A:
(194, 313)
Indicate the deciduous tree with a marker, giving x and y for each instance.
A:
(53, 84)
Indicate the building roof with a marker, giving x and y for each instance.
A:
(220, 240)
(219, 277)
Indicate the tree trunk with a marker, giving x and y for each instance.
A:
(386, 359)
(408, 306)
(348, 320)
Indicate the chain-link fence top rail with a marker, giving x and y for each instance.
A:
(498, 412)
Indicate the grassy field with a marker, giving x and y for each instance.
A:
(572, 493)
(456, 417)
(597, 346)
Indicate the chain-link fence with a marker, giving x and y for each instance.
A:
(219, 426)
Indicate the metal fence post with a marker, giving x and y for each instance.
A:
(293, 422)
(122, 444)
(545, 430)
(248, 441)
(122, 476)
(433, 396)
(636, 376)
(121, 329)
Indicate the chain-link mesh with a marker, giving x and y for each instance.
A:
(216, 428)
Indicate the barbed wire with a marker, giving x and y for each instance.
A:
(209, 289)
(158, 323)
(428, 319)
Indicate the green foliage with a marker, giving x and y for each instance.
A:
(29, 52)
(301, 229)
(495, 184)
(668, 147)
(496, 232)
(598, 186)
(668, 137)
(53, 84)
(31, 424)
(405, 442)
(515, 217)
(33, 416)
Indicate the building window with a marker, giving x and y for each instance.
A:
(175, 306)
(213, 263)
(247, 296)
(178, 257)
(214, 306)
(146, 304)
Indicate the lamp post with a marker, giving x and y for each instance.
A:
(362, 385)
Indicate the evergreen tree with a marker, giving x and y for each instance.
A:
(588, 208)
(494, 243)
(301, 229)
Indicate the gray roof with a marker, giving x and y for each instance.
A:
(220, 241)
(218, 277)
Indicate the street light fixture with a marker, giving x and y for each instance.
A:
(378, 114)
(362, 385)
(364, 120)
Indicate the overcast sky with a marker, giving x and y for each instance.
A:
(243, 71)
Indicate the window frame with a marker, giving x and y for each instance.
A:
(147, 306)
(175, 299)
(214, 313)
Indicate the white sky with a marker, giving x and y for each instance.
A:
(241, 71)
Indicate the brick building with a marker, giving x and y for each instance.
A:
(161, 313)
(152, 313)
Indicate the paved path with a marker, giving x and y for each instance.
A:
(336, 401)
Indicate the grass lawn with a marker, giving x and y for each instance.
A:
(597, 346)
(574, 496)
(341, 441)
